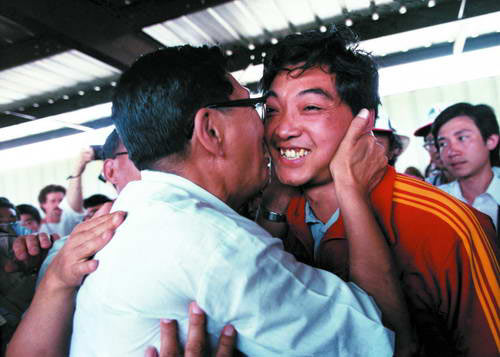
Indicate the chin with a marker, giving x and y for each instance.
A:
(291, 180)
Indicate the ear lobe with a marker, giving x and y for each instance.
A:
(208, 130)
(492, 141)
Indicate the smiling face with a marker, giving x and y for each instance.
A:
(305, 123)
(462, 148)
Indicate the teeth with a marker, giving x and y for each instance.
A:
(292, 154)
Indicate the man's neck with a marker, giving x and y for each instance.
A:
(475, 185)
(323, 200)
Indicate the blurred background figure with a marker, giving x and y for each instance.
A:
(468, 139)
(7, 211)
(393, 143)
(413, 171)
(93, 203)
(16, 288)
(29, 217)
(435, 173)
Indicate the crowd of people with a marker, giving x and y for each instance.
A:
(288, 233)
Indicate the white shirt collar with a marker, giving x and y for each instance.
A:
(494, 187)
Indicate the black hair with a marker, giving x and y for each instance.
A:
(483, 117)
(95, 200)
(5, 203)
(157, 98)
(111, 145)
(42, 196)
(29, 209)
(356, 73)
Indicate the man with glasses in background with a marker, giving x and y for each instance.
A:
(435, 173)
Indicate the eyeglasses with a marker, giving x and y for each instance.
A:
(248, 102)
(118, 154)
(430, 146)
(101, 176)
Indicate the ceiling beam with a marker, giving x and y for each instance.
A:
(113, 36)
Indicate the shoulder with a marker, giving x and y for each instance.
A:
(445, 212)
(437, 219)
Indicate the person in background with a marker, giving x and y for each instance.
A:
(29, 217)
(393, 143)
(16, 284)
(467, 138)
(8, 212)
(93, 203)
(61, 218)
(435, 173)
(413, 171)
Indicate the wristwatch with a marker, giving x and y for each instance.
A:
(272, 216)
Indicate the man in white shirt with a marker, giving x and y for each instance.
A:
(467, 137)
(201, 153)
(61, 216)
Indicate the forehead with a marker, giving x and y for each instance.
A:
(26, 217)
(457, 124)
(55, 195)
(295, 81)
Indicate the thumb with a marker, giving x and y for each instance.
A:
(360, 125)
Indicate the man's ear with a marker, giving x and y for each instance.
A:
(492, 141)
(108, 170)
(208, 130)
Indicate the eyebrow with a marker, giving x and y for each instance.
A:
(462, 131)
(317, 91)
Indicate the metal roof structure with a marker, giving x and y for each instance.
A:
(58, 56)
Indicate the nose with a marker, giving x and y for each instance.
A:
(285, 126)
(453, 148)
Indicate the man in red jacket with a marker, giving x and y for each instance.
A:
(444, 249)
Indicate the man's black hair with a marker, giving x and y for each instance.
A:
(356, 74)
(29, 209)
(483, 117)
(157, 98)
(111, 145)
(95, 200)
(5, 203)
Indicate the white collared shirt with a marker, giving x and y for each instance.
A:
(178, 244)
(487, 202)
